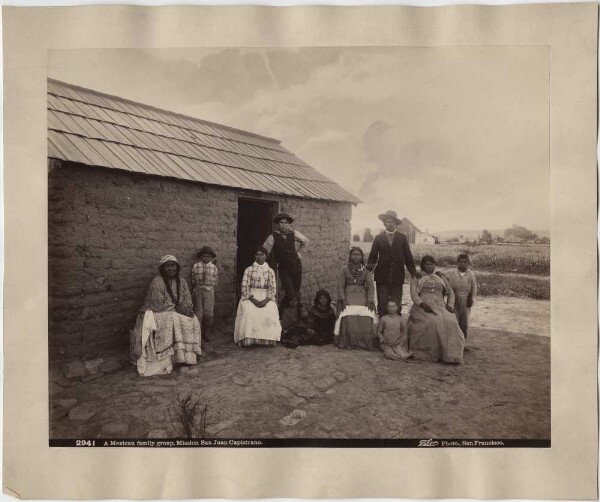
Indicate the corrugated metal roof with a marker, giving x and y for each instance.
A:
(96, 129)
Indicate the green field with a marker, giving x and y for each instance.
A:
(518, 270)
(517, 258)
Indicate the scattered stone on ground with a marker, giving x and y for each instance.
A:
(93, 366)
(296, 401)
(118, 429)
(93, 376)
(502, 391)
(58, 414)
(157, 434)
(165, 383)
(305, 389)
(83, 412)
(340, 376)
(324, 383)
(293, 418)
(214, 362)
(110, 366)
(74, 369)
(65, 403)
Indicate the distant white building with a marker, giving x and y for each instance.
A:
(424, 238)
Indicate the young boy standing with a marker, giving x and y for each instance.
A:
(462, 281)
(204, 282)
(392, 334)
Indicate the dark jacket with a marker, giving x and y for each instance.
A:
(390, 261)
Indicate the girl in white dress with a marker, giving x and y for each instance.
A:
(257, 320)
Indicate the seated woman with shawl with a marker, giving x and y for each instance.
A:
(354, 327)
(257, 319)
(166, 332)
(433, 331)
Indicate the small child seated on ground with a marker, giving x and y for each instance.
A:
(392, 334)
(290, 315)
(323, 317)
(302, 331)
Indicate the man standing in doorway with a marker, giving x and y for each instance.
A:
(284, 257)
(389, 255)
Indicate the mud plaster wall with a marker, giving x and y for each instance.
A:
(107, 230)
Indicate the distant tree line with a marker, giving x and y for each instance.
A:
(516, 233)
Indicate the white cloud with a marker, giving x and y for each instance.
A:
(451, 137)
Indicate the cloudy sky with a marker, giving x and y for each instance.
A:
(453, 138)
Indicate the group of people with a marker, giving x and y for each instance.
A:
(173, 319)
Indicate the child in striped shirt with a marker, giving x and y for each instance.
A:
(204, 281)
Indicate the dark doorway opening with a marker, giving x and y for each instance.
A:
(255, 223)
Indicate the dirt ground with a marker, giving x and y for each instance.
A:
(502, 390)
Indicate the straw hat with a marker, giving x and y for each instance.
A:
(390, 214)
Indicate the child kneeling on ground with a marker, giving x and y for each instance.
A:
(392, 334)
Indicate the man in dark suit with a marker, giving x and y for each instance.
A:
(389, 255)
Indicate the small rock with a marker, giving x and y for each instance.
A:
(82, 413)
(339, 376)
(282, 392)
(330, 391)
(157, 434)
(63, 382)
(244, 382)
(92, 377)
(194, 372)
(305, 390)
(296, 401)
(164, 383)
(183, 369)
(93, 365)
(215, 362)
(214, 429)
(324, 383)
(293, 418)
(58, 414)
(74, 369)
(110, 366)
(65, 403)
(114, 429)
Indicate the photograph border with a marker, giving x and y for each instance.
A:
(566, 470)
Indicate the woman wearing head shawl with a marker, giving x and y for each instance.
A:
(167, 332)
(356, 304)
(433, 331)
(257, 319)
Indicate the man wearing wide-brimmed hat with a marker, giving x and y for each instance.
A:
(284, 255)
(389, 255)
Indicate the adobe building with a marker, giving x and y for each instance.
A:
(129, 183)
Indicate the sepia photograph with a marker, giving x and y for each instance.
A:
(304, 246)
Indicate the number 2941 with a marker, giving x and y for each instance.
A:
(85, 442)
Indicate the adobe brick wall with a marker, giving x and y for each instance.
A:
(108, 229)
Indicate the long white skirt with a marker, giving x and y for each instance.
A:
(257, 323)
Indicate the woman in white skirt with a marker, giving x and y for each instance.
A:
(257, 320)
